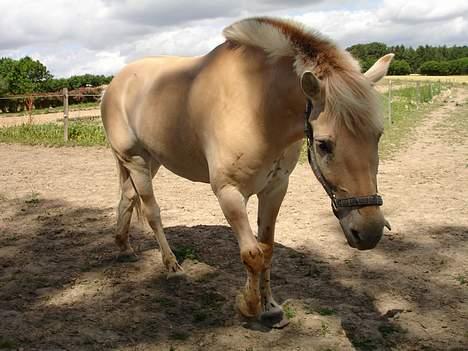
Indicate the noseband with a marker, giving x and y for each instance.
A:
(340, 206)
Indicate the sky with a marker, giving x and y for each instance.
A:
(101, 36)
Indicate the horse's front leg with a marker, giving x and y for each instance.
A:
(233, 204)
(269, 203)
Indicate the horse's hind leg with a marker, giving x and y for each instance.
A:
(128, 199)
(141, 174)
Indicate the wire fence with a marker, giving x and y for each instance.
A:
(401, 96)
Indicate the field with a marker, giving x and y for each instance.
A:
(416, 77)
(61, 287)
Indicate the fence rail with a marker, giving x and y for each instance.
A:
(395, 93)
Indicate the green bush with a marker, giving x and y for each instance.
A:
(399, 68)
(459, 66)
(434, 68)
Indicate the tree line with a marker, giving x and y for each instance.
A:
(27, 76)
(428, 60)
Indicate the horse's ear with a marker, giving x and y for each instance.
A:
(379, 69)
(310, 85)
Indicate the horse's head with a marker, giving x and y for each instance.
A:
(346, 127)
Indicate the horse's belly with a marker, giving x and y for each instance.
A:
(184, 163)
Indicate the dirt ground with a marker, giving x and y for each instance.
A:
(61, 287)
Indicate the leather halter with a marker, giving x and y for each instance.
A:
(339, 206)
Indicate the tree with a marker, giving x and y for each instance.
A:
(3, 86)
(23, 76)
(399, 68)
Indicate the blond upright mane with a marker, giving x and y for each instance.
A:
(350, 98)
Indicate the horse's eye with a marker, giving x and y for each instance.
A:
(325, 146)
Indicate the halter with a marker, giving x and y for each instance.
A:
(339, 206)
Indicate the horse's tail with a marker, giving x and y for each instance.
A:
(124, 175)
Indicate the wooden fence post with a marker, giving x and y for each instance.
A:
(65, 114)
(390, 102)
(418, 96)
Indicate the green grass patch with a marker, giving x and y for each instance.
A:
(461, 279)
(7, 344)
(289, 311)
(184, 252)
(80, 133)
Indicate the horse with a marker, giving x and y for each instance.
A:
(233, 118)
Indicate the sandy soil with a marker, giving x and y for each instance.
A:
(61, 287)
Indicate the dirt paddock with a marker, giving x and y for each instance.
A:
(61, 287)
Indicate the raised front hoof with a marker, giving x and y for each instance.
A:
(247, 310)
(274, 319)
(127, 256)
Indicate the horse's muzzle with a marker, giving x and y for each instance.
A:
(363, 229)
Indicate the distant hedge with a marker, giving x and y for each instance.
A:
(444, 68)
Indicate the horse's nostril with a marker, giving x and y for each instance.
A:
(355, 235)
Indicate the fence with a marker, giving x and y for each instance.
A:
(408, 95)
(61, 107)
(399, 98)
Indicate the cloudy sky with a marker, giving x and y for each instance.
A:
(100, 36)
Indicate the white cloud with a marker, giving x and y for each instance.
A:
(100, 36)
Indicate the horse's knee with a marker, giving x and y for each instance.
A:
(253, 258)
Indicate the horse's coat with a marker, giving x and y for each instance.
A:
(233, 118)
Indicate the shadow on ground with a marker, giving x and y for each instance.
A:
(61, 287)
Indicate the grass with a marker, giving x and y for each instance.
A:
(289, 311)
(324, 329)
(42, 111)
(6, 344)
(461, 279)
(80, 133)
(408, 108)
(184, 252)
(415, 78)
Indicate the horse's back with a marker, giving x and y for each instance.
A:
(144, 110)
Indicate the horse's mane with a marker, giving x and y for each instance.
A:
(350, 98)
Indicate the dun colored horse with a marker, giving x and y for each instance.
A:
(234, 118)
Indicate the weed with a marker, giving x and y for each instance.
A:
(165, 302)
(324, 329)
(185, 252)
(387, 330)
(199, 316)
(461, 279)
(179, 335)
(325, 311)
(365, 344)
(33, 200)
(7, 343)
(289, 311)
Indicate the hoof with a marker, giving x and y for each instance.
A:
(245, 309)
(175, 271)
(176, 275)
(274, 318)
(127, 256)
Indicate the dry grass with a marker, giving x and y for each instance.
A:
(417, 77)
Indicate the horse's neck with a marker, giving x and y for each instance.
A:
(284, 103)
